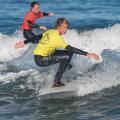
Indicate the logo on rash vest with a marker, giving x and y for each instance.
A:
(45, 39)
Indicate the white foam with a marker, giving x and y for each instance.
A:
(12, 76)
(105, 80)
(3, 67)
(94, 41)
(7, 46)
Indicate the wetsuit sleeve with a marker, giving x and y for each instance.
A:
(45, 14)
(34, 40)
(31, 40)
(33, 25)
(42, 14)
(76, 50)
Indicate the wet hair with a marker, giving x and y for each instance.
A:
(33, 4)
(60, 21)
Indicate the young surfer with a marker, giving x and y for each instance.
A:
(30, 23)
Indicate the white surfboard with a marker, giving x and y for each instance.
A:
(68, 90)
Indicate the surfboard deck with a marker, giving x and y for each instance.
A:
(68, 89)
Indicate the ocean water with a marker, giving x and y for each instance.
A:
(94, 27)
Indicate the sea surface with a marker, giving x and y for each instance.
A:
(94, 27)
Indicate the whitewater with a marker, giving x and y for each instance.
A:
(87, 75)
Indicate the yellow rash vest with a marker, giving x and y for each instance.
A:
(50, 41)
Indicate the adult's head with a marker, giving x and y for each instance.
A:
(62, 25)
(35, 7)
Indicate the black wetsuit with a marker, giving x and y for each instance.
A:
(63, 57)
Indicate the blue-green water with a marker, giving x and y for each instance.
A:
(95, 27)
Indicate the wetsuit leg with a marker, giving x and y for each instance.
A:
(29, 35)
(63, 57)
(65, 61)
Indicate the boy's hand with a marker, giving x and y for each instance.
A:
(51, 14)
(43, 28)
(20, 44)
(93, 55)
